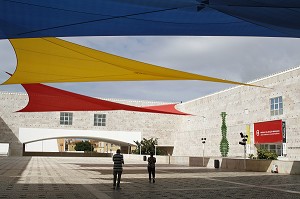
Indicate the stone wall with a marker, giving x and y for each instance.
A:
(234, 101)
(162, 126)
(182, 132)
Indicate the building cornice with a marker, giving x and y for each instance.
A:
(250, 82)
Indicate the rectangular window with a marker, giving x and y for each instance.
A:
(276, 106)
(275, 148)
(99, 119)
(66, 118)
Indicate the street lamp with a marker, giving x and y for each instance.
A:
(203, 142)
(155, 147)
(243, 142)
(140, 148)
(203, 139)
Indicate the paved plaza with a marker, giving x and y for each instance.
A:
(89, 177)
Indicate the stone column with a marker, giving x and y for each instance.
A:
(15, 149)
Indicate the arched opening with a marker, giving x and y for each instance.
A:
(61, 142)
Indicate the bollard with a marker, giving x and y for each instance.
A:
(274, 168)
(216, 164)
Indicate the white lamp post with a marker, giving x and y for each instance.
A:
(140, 149)
(203, 139)
(243, 142)
(203, 142)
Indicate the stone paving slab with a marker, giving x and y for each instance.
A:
(91, 177)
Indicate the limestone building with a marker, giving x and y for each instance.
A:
(269, 116)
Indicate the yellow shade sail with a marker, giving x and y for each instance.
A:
(52, 60)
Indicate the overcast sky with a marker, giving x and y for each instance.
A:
(234, 58)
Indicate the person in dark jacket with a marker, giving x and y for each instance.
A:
(151, 167)
(118, 168)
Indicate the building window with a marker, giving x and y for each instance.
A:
(275, 148)
(66, 118)
(276, 106)
(99, 119)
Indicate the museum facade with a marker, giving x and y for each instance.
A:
(269, 115)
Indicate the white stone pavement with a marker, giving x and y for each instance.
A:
(89, 177)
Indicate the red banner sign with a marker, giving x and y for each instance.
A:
(268, 132)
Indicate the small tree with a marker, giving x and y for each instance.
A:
(137, 150)
(147, 146)
(84, 146)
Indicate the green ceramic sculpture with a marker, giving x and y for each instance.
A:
(224, 145)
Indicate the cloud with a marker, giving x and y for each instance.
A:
(235, 58)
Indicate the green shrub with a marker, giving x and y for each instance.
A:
(84, 146)
(266, 155)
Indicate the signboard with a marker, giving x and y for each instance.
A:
(284, 148)
(248, 146)
(283, 132)
(284, 138)
(248, 134)
(268, 132)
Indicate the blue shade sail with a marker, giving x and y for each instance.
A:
(59, 18)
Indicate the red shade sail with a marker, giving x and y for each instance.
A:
(44, 98)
